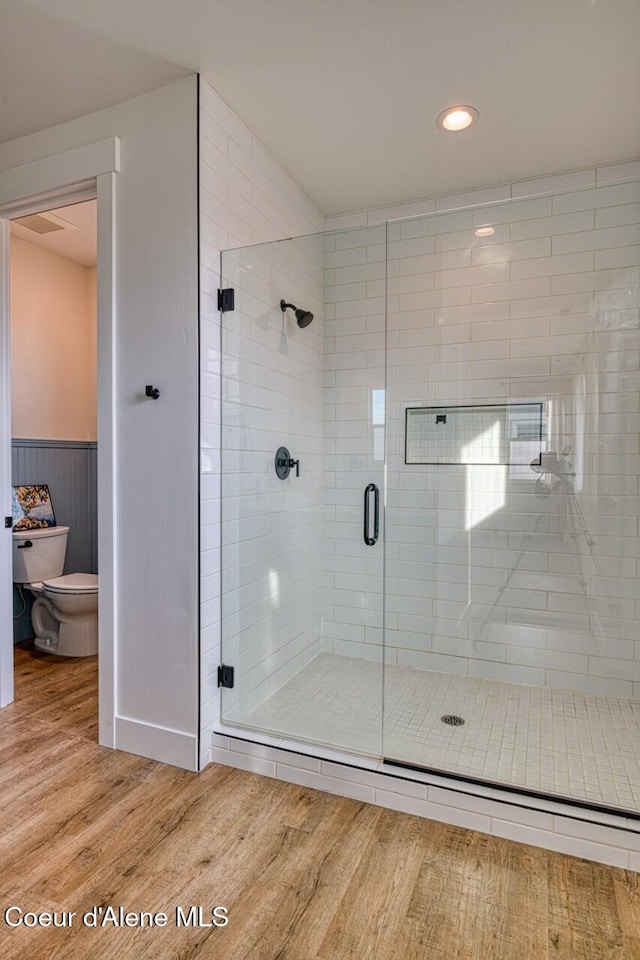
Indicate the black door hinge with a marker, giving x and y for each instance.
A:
(8, 522)
(225, 676)
(226, 300)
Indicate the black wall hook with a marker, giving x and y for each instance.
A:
(152, 392)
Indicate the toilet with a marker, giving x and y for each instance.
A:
(65, 611)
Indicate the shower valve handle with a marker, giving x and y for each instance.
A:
(284, 464)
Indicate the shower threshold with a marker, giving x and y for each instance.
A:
(518, 791)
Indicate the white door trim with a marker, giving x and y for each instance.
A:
(54, 181)
(47, 179)
(6, 559)
(107, 460)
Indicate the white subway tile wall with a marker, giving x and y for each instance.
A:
(526, 575)
(245, 198)
(271, 528)
(354, 442)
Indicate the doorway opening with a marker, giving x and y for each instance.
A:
(53, 358)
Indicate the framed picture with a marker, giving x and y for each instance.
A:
(31, 507)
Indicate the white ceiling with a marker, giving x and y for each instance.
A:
(78, 243)
(344, 93)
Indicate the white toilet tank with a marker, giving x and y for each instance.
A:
(39, 554)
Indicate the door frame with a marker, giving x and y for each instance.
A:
(88, 172)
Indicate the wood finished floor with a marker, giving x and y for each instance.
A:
(304, 875)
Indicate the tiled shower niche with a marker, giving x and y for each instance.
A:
(508, 434)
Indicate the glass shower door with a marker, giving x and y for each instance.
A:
(512, 532)
(302, 458)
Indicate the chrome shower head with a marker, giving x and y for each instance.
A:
(304, 317)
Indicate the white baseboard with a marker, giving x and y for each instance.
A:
(157, 743)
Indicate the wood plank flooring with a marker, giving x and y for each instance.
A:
(304, 875)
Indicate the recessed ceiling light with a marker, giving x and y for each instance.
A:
(455, 119)
(485, 231)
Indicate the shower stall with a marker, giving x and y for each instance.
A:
(430, 493)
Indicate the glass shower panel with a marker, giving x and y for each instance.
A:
(512, 637)
(302, 458)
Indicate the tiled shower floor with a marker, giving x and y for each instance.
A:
(561, 742)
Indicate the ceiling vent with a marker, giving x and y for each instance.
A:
(44, 223)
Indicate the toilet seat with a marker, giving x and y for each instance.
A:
(79, 584)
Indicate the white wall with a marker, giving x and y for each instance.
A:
(245, 198)
(53, 345)
(546, 308)
(157, 453)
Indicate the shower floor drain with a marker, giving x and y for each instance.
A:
(452, 720)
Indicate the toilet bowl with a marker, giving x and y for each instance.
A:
(65, 615)
(65, 612)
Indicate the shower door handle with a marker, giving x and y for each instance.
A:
(368, 490)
